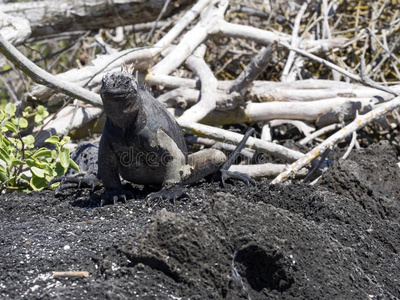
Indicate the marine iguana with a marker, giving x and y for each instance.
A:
(144, 144)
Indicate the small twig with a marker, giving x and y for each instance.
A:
(319, 132)
(114, 60)
(389, 52)
(11, 92)
(396, 116)
(53, 116)
(77, 104)
(295, 41)
(351, 146)
(357, 124)
(163, 10)
(80, 274)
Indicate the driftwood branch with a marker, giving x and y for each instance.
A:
(192, 39)
(252, 70)
(43, 77)
(208, 96)
(49, 17)
(306, 111)
(14, 29)
(265, 170)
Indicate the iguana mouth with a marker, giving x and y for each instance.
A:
(116, 94)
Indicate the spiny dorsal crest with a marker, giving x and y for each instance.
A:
(129, 69)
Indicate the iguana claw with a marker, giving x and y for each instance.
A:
(245, 178)
(67, 182)
(168, 194)
(113, 196)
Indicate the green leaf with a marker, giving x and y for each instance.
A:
(29, 140)
(60, 170)
(6, 143)
(25, 177)
(3, 174)
(23, 123)
(65, 140)
(35, 163)
(73, 165)
(38, 119)
(6, 67)
(2, 115)
(30, 163)
(53, 140)
(50, 173)
(54, 154)
(16, 162)
(28, 109)
(41, 109)
(64, 157)
(10, 109)
(42, 152)
(5, 156)
(40, 164)
(11, 127)
(38, 183)
(37, 172)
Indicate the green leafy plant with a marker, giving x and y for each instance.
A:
(22, 166)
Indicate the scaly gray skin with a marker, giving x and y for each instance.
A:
(143, 144)
(140, 141)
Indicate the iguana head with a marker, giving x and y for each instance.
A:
(118, 85)
(119, 92)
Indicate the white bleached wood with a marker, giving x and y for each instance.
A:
(294, 42)
(16, 30)
(267, 170)
(235, 138)
(192, 39)
(53, 16)
(208, 95)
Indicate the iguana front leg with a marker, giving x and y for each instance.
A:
(177, 170)
(108, 173)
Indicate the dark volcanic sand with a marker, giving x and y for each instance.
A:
(338, 240)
